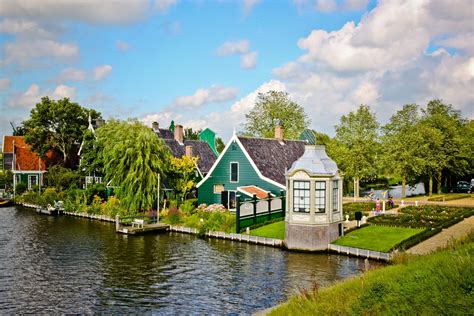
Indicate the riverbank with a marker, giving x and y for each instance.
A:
(432, 284)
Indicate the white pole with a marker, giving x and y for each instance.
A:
(158, 202)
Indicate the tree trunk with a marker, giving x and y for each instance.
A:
(356, 188)
(404, 186)
(438, 184)
(430, 186)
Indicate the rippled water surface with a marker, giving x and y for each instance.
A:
(74, 265)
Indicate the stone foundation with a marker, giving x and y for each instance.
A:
(310, 237)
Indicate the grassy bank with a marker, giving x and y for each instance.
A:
(274, 230)
(378, 238)
(436, 284)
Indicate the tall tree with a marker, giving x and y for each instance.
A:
(401, 154)
(451, 154)
(57, 125)
(133, 156)
(182, 174)
(275, 108)
(356, 145)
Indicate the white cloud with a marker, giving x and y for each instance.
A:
(26, 53)
(4, 84)
(103, 12)
(122, 46)
(63, 91)
(249, 5)
(27, 99)
(164, 5)
(326, 5)
(28, 28)
(102, 72)
(233, 48)
(71, 74)
(215, 93)
(355, 4)
(249, 60)
(464, 42)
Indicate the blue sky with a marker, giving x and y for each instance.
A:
(202, 63)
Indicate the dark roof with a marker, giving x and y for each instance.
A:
(272, 157)
(200, 149)
(165, 133)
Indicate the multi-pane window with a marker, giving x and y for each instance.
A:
(234, 172)
(32, 181)
(301, 196)
(320, 197)
(335, 195)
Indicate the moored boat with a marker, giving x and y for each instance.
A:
(5, 202)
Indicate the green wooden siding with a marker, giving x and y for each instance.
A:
(221, 175)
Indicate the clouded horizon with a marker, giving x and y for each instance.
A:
(202, 63)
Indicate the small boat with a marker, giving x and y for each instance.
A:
(49, 210)
(5, 202)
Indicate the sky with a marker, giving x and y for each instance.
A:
(202, 63)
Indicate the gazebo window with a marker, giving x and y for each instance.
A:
(301, 196)
(335, 195)
(320, 196)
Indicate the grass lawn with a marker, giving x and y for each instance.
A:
(378, 238)
(273, 230)
(435, 284)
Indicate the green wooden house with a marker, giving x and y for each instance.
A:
(249, 166)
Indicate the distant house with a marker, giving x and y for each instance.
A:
(204, 149)
(26, 165)
(250, 166)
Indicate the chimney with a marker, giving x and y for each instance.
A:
(155, 126)
(189, 151)
(279, 130)
(178, 134)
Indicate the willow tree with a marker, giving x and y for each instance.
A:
(133, 157)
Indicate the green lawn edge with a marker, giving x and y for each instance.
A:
(274, 230)
(435, 284)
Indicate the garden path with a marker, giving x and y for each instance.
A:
(444, 237)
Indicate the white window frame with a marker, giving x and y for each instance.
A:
(320, 195)
(335, 195)
(230, 171)
(31, 176)
(303, 194)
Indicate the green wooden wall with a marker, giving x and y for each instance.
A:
(221, 175)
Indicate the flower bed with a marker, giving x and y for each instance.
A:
(364, 207)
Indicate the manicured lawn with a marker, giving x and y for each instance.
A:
(379, 238)
(273, 230)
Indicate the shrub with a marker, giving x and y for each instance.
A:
(174, 215)
(51, 195)
(61, 178)
(97, 189)
(189, 207)
(20, 188)
(95, 206)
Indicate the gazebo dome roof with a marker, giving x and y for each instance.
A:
(315, 162)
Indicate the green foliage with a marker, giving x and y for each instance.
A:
(174, 216)
(190, 134)
(275, 108)
(434, 284)
(61, 178)
(97, 189)
(50, 195)
(378, 238)
(91, 162)
(181, 175)
(20, 188)
(6, 180)
(188, 207)
(449, 197)
(219, 145)
(364, 207)
(274, 230)
(355, 146)
(57, 125)
(133, 157)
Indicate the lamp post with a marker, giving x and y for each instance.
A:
(158, 201)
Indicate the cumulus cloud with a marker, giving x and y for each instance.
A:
(63, 91)
(249, 5)
(233, 48)
(355, 4)
(4, 84)
(71, 74)
(213, 94)
(103, 12)
(102, 72)
(326, 5)
(28, 99)
(248, 59)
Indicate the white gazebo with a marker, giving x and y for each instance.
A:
(314, 201)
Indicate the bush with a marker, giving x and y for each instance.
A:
(61, 178)
(189, 207)
(20, 188)
(97, 189)
(96, 206)
(50, 195)
(174, 215)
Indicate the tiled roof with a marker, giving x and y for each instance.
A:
(272, 157)
(200, 149)
(251, 190)
(25, 158)
(165, 133)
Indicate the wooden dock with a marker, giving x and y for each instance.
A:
(147, 228)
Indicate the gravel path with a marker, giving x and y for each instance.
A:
(441, 239)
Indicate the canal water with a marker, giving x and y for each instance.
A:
(74, 265)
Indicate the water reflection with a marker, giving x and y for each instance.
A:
(74, 265)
